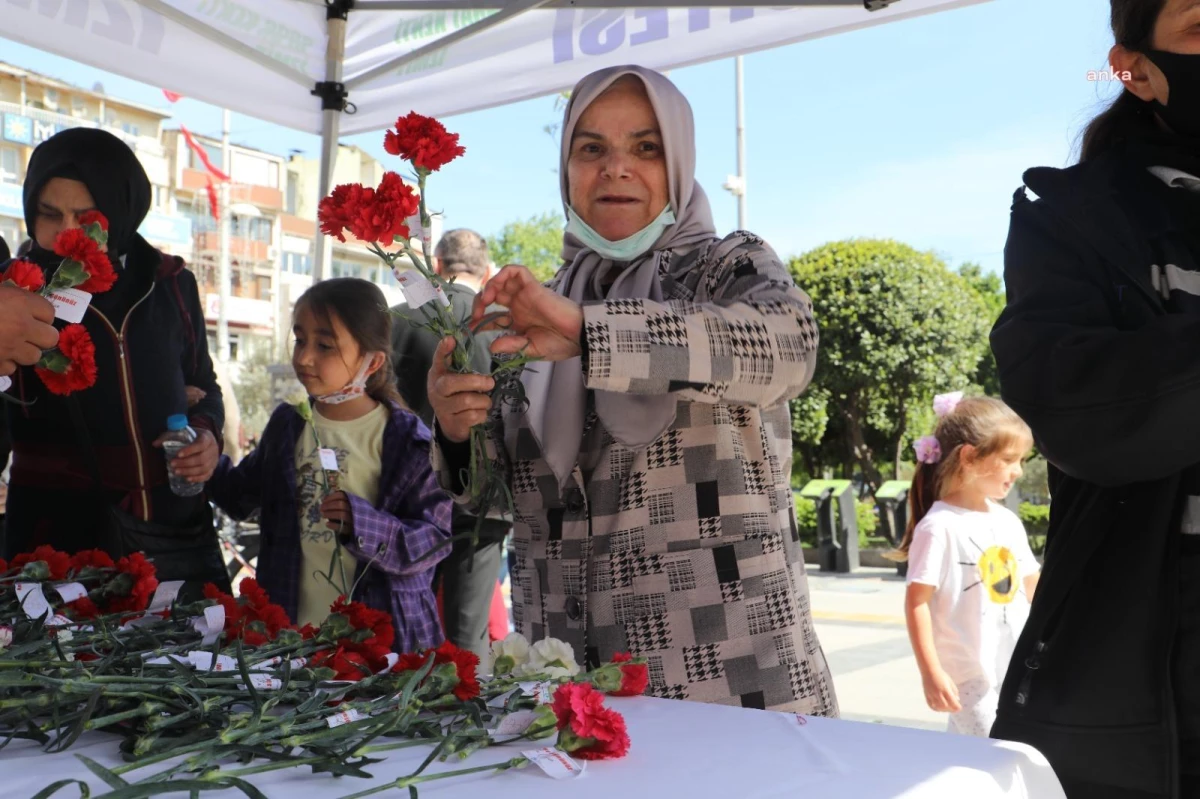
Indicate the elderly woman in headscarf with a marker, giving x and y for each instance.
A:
(651, 467)
(88, 471)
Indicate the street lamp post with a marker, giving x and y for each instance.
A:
(736, 184)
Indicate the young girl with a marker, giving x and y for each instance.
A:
(348, 499)
(971, 573)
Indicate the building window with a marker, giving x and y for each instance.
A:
(10, 165)
(214, 155)
(345, 269)
(78, 107)
(297, 263)
(131, 129)
(161, 197)
(50, 97)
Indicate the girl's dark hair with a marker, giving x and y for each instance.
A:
(1133, 24)
(988, 425)
(363, 310)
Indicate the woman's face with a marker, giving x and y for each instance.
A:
(1176, 31)
(59, 207)
(617, 167)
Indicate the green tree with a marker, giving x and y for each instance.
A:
(535, 242)
(897, 326)
(991, 290)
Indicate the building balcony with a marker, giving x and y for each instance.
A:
(195, 180)
(32, 126)
(209, 244)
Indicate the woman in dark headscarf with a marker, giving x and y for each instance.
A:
(651, 468)
(87, 471)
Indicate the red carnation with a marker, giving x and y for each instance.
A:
(424, 141)
(74, 244)
(465, 664)
(335, 211)
(91, 559)
(255, 620)
(587, 729)
(3, 566)
(137, 599)
(635, 677)
(72, 366)
(371, 215)
(58, 562)
(347, 664)
(93, 218)
(25, 274)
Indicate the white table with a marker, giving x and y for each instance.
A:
(679, 749)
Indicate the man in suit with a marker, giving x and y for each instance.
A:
(468, 575)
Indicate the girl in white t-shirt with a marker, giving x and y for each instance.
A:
(971, 573)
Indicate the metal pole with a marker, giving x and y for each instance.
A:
(331, 120)
(741, 142)
(223, 272)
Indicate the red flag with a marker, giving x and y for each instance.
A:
(213, 206)
(203, 155)
(172, 96)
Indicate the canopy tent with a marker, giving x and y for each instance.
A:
(353, 65)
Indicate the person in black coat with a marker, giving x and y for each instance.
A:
(87, 469)
(1099, 351)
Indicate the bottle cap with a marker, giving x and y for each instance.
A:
(177, 422)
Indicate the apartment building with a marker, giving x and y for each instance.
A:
(33, 107)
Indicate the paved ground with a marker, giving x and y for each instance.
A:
(860, 621)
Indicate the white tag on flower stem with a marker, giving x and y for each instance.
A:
(70, 304)
(71, 591)
(33, 601)
(442, 296)
(164, 595)
(5, 383)
(392, 660)
(555, 763)
(167, 660)
(204, 661)
(416, 287)
(263, 682)
(542, 692)
(328, 459)
(345, 717)
(516, 723)
(59, 620)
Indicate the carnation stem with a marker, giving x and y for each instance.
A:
(404, 782)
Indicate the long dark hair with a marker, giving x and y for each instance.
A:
(1133, 27)
(363, 310)
(985, 423)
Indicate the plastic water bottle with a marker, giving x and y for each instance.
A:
(178, 436)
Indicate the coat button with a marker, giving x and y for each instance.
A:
(574, 610)
(575, 502)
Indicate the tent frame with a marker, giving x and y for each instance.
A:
(334, 91)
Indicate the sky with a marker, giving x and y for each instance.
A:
(917, 130)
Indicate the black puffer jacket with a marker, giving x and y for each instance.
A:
(1109, 380)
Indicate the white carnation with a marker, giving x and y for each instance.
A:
(6, 637)
(515, 648)
(553, 658)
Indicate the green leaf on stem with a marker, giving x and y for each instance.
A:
(110, 779)
(50, 790)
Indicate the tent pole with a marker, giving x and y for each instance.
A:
(333, 102)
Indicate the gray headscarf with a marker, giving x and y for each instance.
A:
(556, 391)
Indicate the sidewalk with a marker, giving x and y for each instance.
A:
(860, 622)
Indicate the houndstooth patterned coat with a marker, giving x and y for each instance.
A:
(687, 552)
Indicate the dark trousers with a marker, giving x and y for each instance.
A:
(468, 579)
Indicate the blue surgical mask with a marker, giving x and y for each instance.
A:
(626, 249)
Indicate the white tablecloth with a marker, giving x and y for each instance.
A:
(679, 749)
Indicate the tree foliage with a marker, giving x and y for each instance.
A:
(991, 291)
(534, 242)
(896, 328)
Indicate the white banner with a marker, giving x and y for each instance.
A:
(526, 56)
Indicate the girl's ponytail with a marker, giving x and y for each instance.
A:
(921, 496)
